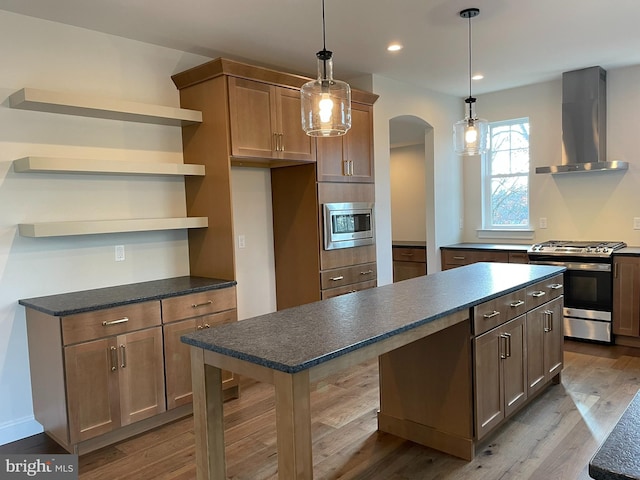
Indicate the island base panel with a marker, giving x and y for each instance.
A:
(463, 448)
(426, 394)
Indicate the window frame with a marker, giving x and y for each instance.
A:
(487, 178)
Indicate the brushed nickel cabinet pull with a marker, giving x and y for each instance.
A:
(114, 322)
(458, 257)
(495, 313)
(275, 142)
(517, 303)
(198, 305)
(206, 325)
(345, 168)
(548, 321)
(502, 346)
(199, 327)
(538, 293)
(555, 286)
(407, 254)
(351, 168)
(281, 142)
(123, 351)
(114, 359)
(508, 344)
(336, 279)
(368, 272)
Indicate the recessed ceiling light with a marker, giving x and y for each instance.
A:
(477, 76)
(394, 47)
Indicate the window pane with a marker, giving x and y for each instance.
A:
(520, 161)
(501, 164)
(510, 201)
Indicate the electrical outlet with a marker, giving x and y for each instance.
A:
(636, 223)
(543, 222)
(119, 253)
(241, 241)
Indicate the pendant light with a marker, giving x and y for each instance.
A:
(326, 103)
(471, 135)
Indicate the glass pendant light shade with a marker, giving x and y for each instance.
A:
(326, 103)
(470, 136)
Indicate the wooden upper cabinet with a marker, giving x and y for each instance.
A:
(266, 122)
(349, 158)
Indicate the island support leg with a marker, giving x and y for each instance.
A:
(208, 418)
(293, 425)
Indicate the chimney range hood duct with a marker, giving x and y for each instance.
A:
(584, 123)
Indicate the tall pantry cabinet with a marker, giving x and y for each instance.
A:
(251, 118)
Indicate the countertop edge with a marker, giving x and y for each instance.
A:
(34, 303)
(488, 246)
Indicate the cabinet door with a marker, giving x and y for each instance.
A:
(544, 344)
(358, 144)
(178, 356)
(348, 158)
(252, 123)
(141, 374)
(514, 366)
(294, 143)
(488, 383)
(626, 296)
(406, 270)
(554, 339)
(92, 389)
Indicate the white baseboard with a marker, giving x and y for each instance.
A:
(18, 429)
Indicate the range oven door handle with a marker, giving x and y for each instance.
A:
(583, 266)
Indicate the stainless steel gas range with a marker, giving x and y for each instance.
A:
(588, 284)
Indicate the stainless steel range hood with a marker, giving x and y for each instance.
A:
(584, 123)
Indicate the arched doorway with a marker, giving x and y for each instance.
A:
(411, 165)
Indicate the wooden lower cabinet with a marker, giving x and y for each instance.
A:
(98, 376)
(114, 381)
(457, 257)
(453, 388)
(500, 374)
(544, 344)
(626, 298)
(408, 262)
(178, 358)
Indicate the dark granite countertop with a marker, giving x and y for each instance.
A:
(87, 300)
(409, 243)
(301, 337)
(629, 251)
(618, 458)
(488, 246)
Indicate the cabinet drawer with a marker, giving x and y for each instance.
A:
(347, 275)
(197, 304)
(335, 292)
(404, 254)
(465, 257)
(111, 321)
(518, 257)
(543, 291)
(490, 314)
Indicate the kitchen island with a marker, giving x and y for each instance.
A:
(294, 348)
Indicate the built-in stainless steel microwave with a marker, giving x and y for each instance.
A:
(348, 225)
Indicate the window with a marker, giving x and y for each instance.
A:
(506, 176)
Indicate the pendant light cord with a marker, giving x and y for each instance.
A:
(324, 35)
(469, 19)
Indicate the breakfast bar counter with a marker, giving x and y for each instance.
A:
(296, 347)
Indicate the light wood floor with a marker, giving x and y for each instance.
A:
(552, 439)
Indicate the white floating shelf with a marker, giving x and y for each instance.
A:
(89, 106)
(59, 229)
(78, 165)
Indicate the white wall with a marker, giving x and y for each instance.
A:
(582, 206)
(408, 177)
(255, 263)
(444, 173)
(53, 56)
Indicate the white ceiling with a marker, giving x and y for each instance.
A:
(515, 42)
